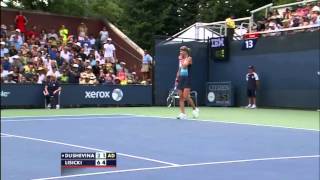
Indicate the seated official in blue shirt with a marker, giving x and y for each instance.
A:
(51, 91)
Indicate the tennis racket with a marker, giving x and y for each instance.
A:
(171, 97)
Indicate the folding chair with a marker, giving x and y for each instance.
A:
(174, 96)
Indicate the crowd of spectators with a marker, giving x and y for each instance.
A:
(295, 16)
(32, 56)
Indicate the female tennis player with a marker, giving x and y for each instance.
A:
(183, 82)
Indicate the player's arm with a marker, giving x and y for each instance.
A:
(177, 76)
(257, 83)
(257, 79)
(45, 90)
(25, 20)
(58, 89)
(187, 62)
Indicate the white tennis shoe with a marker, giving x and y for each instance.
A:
(249, 106)
(195, 113)
(182, 116)
(253, 106)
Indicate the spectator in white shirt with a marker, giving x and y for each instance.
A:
(53, 34)
(16, 39)
(104, 35)
(54, 72)
(99, 56)
(82, 31)
(3, 49)
(92, 41)
(109, 51)
(65, 54)
(4, 73)
(86, 49)
(41, 75)
(315, 16)
(273, 26)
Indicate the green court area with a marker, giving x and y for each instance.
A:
(272, 117)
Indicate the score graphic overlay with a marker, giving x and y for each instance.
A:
(88, 159)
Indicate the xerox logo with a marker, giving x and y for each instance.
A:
(117, 94)
(97, 94)
(211, 96)
(5, 94)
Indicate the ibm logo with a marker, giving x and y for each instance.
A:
(217, 42)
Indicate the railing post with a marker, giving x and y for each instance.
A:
(251, 22)
(225, 28)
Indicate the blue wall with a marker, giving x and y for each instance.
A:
(287, 66)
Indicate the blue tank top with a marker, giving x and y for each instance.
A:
(185, 72)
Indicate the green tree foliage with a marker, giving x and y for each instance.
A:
(278, 2)
(142, 19)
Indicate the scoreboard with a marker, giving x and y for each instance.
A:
(220, 94)
(88, 159)
(219, 48)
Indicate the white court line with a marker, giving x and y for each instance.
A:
(89, 148)
(61, 115)
(183, 165)
(223, 122)
(160, 117)
(5, 136)
(65, 118)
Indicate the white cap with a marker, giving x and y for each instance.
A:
(2, 43)
(15, 57)
(133, 73)
(316, 8)
(51, 74)
(78, 44)
(109, 39)
(123, 63)
(3, 26)
(85, 44)
(18, 30)
(75, 65)
(89, 67)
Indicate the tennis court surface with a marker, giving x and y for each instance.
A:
(157, 148)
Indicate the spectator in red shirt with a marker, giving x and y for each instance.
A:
(33, 33)
(21, 22)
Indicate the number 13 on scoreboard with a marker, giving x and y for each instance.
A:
(249, 44)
